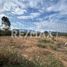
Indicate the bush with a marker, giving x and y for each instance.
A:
(47, 61)
(46, 43)
(11, 57)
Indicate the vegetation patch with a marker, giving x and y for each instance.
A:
(47, 61)
(11, 57)
(48, 43)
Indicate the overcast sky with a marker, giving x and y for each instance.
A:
(37, 15)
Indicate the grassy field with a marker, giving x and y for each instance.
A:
(33, 52)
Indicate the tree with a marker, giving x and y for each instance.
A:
(5, 23)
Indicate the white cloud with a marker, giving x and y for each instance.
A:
(23, 17)
(19, 7)
(52, 24)
(17, 25)
(31, 16)
(35, 14)
(61, 6)
(19, 11)
(13, 6)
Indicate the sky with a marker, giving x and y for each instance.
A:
(39, 15)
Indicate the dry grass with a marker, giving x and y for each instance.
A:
(35, 51)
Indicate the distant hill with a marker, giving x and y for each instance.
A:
(32, 32)
(5, 33)
(59, 33)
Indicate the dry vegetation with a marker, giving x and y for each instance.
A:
(33, 52)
